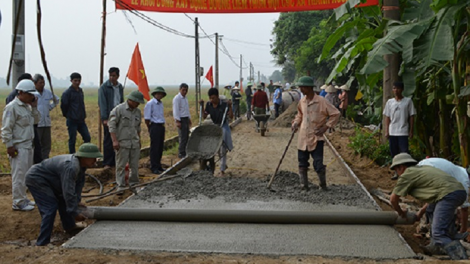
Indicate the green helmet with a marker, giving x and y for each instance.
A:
(136, 96)
(88, 150)
(305, 81)
(249, 84)
(159, 89)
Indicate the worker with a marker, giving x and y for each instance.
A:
(110, 94)
(462, 176)
(217, 111)
(56, 184)
(18, 135)
(277, 98)
(343, 99)
(260, 104)
(227, 92)
(124, 127)
(432, 186)
(314, 117)
(182, 118)
(155, 121)
(236, 96)
(249, 97)
(399, 115)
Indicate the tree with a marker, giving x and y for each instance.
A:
(276, 76)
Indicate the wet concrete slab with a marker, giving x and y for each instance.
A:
(375, 242)
(361, 241)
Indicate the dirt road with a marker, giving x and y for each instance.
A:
(253, 156)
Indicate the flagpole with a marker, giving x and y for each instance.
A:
(103, 42)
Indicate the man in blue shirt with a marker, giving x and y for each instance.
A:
(155, 121)
(56, 184)
(73, 108)
(277, 98)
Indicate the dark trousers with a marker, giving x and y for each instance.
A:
(398, 144)
(236, 109)
(37, 156)
(157, 139)
(442, 215)
(48, 206)
(317, 156)
(276, 109)
(183, 134)
(73, 127)
(109, 156)
(248, 109)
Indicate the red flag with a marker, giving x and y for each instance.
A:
(137, 73)
(210, 76)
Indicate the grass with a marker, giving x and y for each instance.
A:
(59, 129)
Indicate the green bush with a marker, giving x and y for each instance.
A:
(367, 144)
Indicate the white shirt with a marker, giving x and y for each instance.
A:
(399, 113)
(457, 172)
(180, 107)
(45, 105)
(153, 111)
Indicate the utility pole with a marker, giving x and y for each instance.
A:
(217, 60)
(259, 78)
(198, 68)
(18, 66)
(241, 66)
(252, 73)
(391, 10)
(103, 43)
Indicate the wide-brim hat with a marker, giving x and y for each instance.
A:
(88, 150)
(402, 158)
(259, 86)
(159, 89)
(249, 84)
(277, 84)
(228, 86)
(305, 81)
(136, 96)
(236, 88)
(323, 87)
(344, 87)
(330, 89)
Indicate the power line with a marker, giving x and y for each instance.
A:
(247, 42)
(152, 21)
(224, 50)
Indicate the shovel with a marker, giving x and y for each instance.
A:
(279, 165)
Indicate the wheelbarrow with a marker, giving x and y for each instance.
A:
(259, 121)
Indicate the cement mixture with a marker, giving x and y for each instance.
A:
(237, 190)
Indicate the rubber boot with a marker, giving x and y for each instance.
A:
(322, 179)
(433, 249)
(303, 177)
(455, 250)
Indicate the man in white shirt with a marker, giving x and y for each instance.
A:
(182, 118)
(399, 115)
(155, 121)
(46, 102)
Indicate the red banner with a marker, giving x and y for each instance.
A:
(232, 6)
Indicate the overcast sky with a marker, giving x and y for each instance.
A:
(71, 31)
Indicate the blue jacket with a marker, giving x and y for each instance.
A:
(106, 98)
(72, 104)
